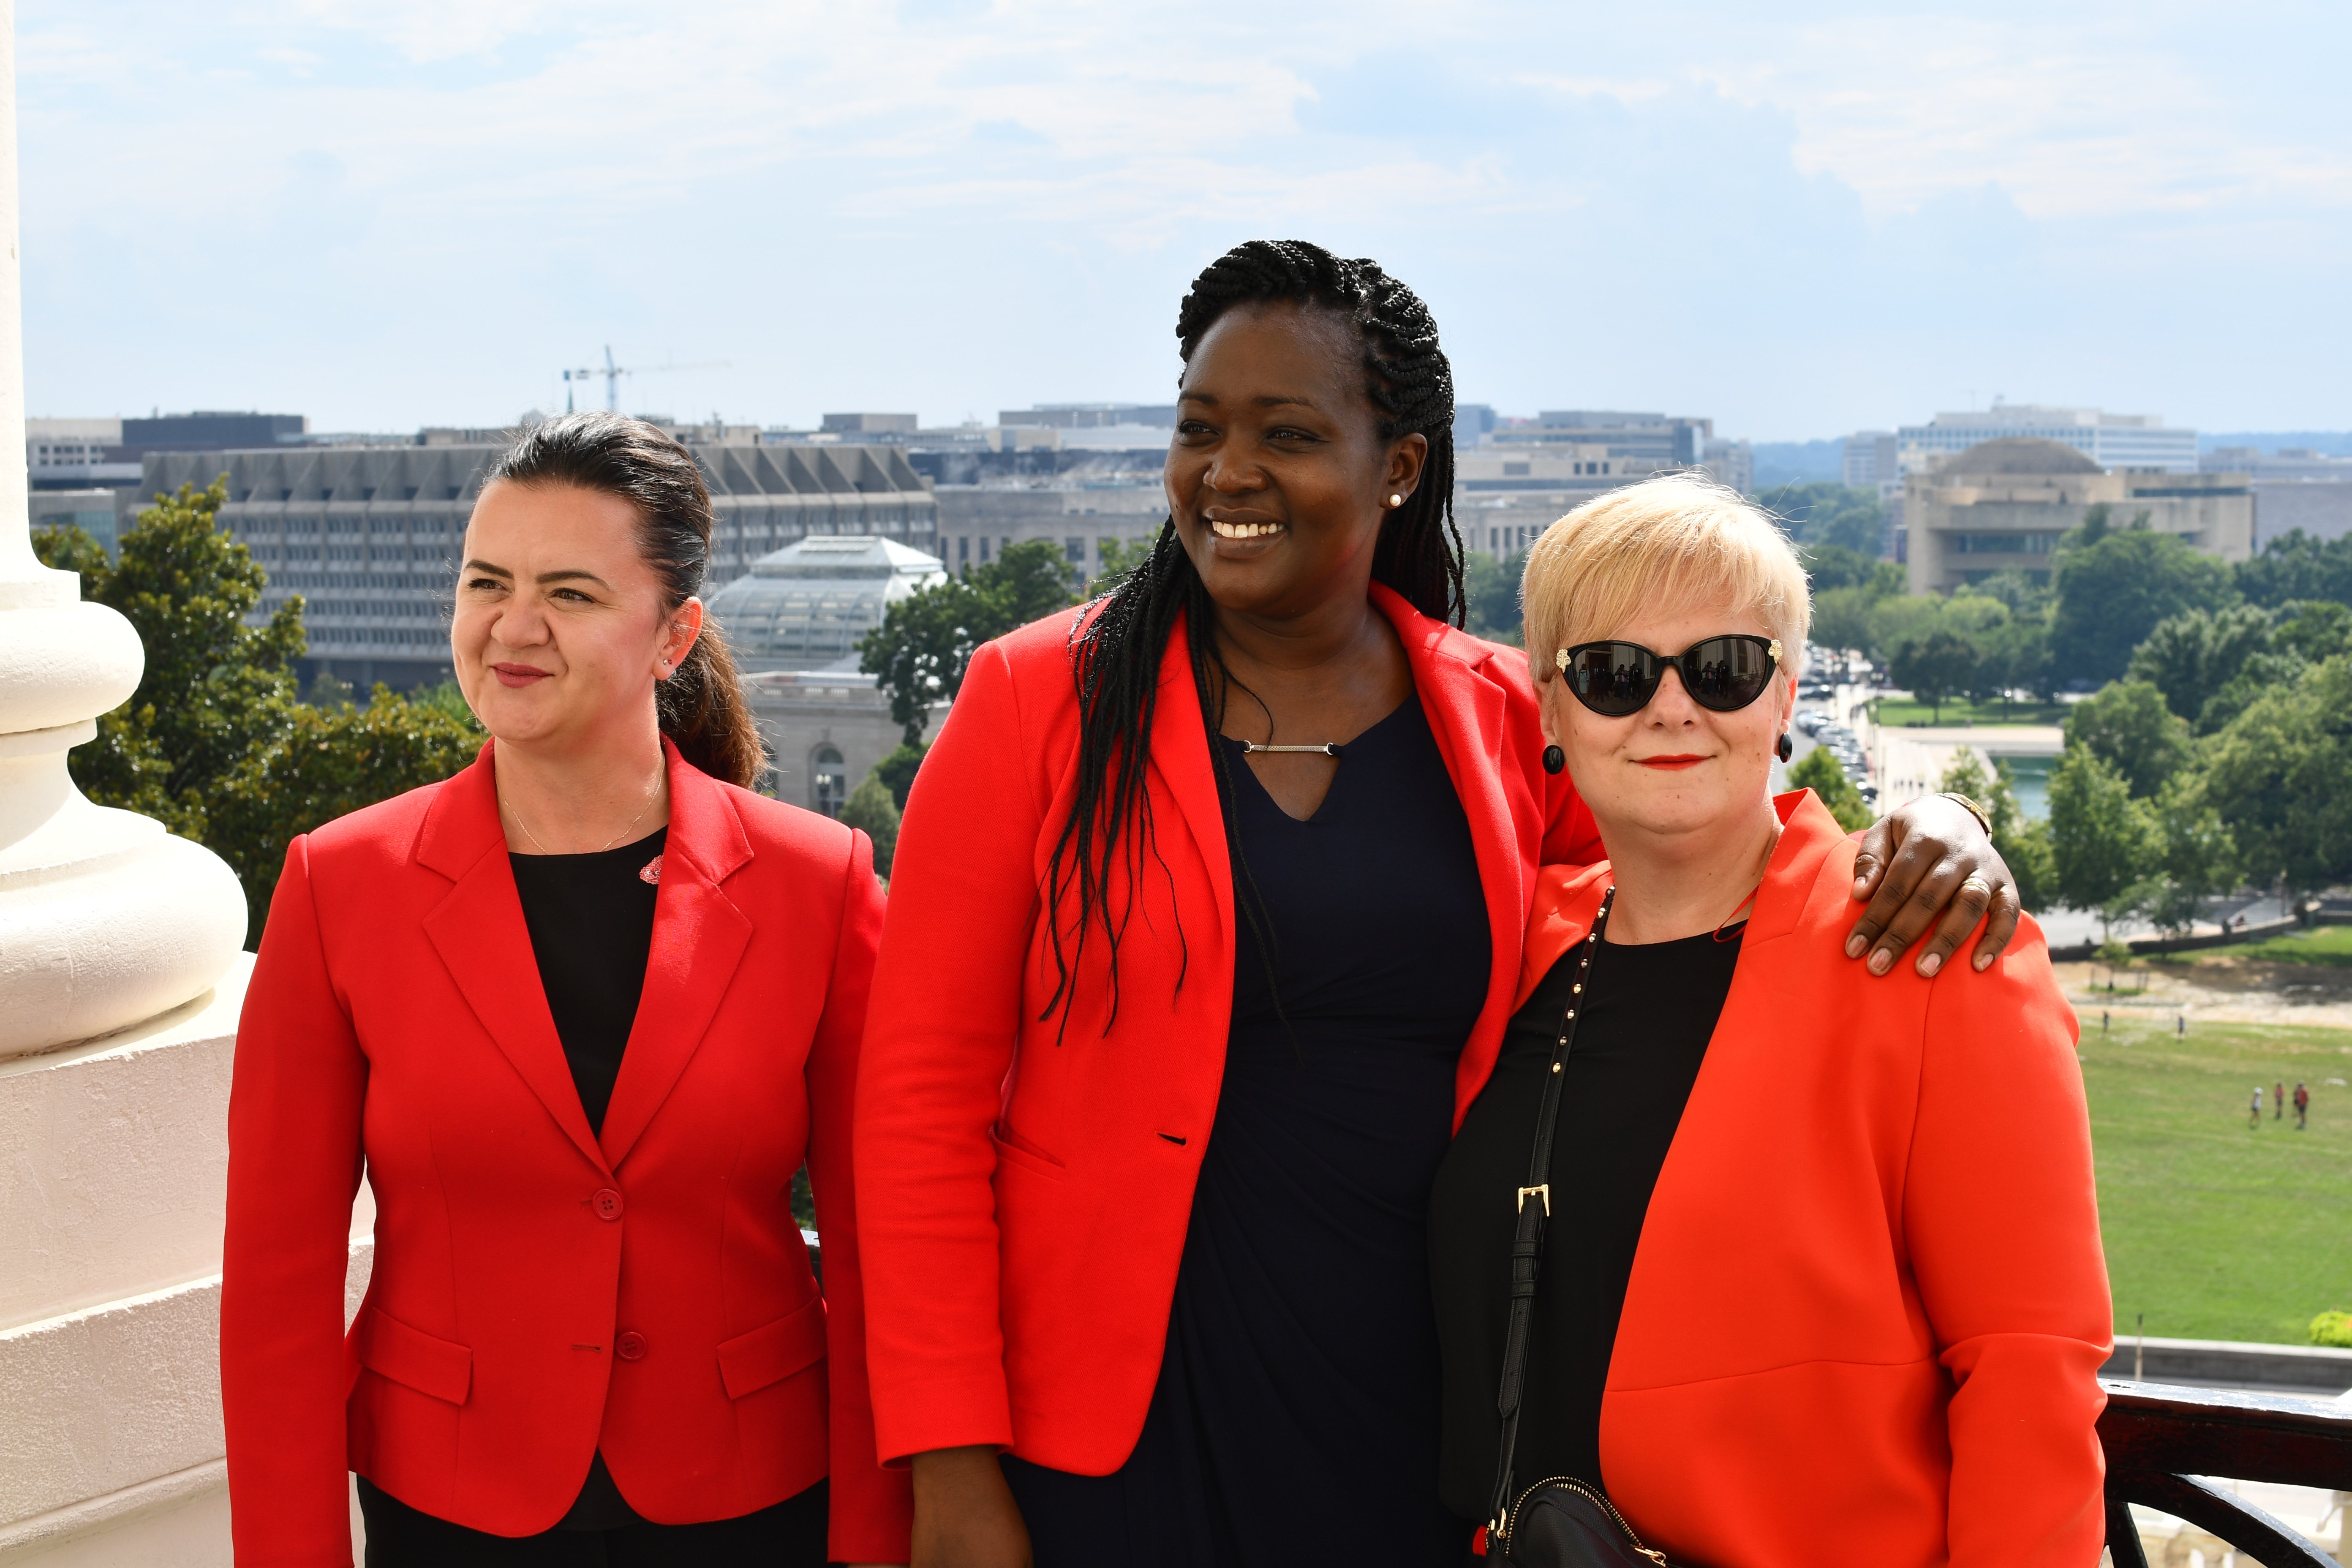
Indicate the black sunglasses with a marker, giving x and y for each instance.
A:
(1724, 673)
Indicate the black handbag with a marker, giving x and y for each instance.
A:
(1560, 1521)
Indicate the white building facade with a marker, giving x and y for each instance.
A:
(2110, 440)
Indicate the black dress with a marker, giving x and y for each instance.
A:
(1642, 1028)
(1295, 1417)
(591, 919)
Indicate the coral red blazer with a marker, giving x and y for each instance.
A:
(538, 1292)
(1869, 1306)
(1025, 1191)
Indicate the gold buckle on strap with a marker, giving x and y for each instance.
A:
(1543, 1192)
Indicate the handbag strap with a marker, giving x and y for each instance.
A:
(1527, 1240)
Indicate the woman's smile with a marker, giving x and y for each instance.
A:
(517, 675)
(1671, 761)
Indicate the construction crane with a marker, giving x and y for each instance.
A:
(613, 373)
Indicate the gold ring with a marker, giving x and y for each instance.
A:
(1979, 884)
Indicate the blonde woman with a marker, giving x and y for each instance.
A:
(1816, 1257)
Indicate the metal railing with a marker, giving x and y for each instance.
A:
(2162, 1440)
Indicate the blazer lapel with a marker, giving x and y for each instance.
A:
(479, 933)
(1466, 712)
(699, 937)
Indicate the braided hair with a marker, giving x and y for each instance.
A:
(1117, 650)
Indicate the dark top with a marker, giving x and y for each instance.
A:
(1641, 1031)
(592, 930)
(1294, 1419)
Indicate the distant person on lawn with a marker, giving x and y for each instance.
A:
(2302, 1107)
(2254, 1116)
(2278, 1102)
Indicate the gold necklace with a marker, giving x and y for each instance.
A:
(652, 791)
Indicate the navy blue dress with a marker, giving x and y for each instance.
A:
(1297, 1415)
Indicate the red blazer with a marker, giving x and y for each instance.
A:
(538, 1292)
(1025, 1191)
(1869, 1306)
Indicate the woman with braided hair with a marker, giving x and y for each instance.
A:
(1203, 928)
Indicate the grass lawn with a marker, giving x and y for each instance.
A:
(2321, 944)
(1899, 712)
(2215, 1229)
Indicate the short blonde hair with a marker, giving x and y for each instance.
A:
(1677, 538)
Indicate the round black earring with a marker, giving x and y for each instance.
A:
(1554, 759)
(1787, 747)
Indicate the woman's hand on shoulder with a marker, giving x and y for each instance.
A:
(964, 1513)
(1930, 869)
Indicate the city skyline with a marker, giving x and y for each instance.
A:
(391, 215)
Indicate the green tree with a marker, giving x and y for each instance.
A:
(2024, 843)
(1492, 588)
(897, 770)
(2191, 656)
(2278, 770)
(1936, 668)
(2113, 592)
(919, 652)
(1119, 557)
(2127, 724)
(329, 762)
(1819, 772)
(2102, 841)
(215, 691)
(871, 810)
(2297, 566)
(1830, 566)
(1839, 516)
(2197, 857)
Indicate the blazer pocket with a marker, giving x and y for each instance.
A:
(1011, 1149)
(411, 1357)
(773, 1352)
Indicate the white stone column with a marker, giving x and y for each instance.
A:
(119, 982)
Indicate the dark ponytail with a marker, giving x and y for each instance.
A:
(1117, 652)
(701, 705)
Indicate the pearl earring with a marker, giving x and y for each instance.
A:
(1395, 500)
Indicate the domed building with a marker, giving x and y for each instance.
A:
(806, 605)
(2004, 504)
(794, 624)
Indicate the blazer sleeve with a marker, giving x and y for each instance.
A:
(938, 1046)
(872, 1507)
(2000, 1218)
(295, 1097)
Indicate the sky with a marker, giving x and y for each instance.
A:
(1798, 219)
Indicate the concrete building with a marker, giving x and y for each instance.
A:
(369, 535)
(1092, 415)
(1531, 472)
(869, 425)
(1869, 457)
(2005, 503)
(96, 512)
(2295, 488)
(77, 454)
(1625, 442)
(2109, 440)
(806, 605)
(978, 522)
(825, 729)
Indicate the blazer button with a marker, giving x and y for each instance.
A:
(606, 1202)
(630, 1346)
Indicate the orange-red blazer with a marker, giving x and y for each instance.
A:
(1869, 1304)
(1024, 1190)
(540, 1292)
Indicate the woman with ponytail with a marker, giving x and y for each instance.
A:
(580, 1013)
(1203, 927)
